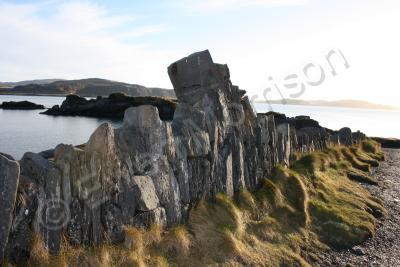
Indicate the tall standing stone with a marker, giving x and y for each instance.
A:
(51, 210)
(142, 145)
(9, 177)
(208, 124)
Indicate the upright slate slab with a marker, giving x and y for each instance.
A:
(9, 176)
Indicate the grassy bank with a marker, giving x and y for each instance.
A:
(316, 204)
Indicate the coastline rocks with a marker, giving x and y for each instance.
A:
(112, 107)
(9, 178)
(23, 105)
(388, 142)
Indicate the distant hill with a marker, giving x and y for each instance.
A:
(13, 84)
(87, 87)
(339, 103)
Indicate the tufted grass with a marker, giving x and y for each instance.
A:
(314, 205)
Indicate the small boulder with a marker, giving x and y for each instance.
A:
(146, 193)
(359, 251)
(153, 217)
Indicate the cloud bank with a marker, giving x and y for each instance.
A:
(74, 40)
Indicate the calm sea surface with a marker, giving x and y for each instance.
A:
(22, 131)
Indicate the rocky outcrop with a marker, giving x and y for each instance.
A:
(388, 142)
(159, 164)
(113, 106)
(23, 105)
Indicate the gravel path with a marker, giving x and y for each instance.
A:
(384, 248)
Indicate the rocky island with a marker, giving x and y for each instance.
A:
(228, 185)
(113, 106)
(23, 105)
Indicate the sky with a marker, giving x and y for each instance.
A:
(300, 49)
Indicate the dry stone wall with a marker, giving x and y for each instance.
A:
(151, 170)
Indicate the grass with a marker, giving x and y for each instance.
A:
(314, 205)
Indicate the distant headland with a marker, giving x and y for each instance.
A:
(92, 87)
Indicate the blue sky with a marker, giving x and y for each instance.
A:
(135, 41)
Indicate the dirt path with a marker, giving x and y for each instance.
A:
(384, 248)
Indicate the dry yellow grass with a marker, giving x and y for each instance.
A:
(296, 213)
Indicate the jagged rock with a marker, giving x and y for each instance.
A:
(9, 177)
(26, 207)
(247, 137)
(142, 143)
(127, 198)
(310, 139)
(345, 136)
(205, 125)
(266, 140)
(51, 209)
(279, 118)
(91, 178)
(301, 122)
(284, 143)
(193, 76)
(358, 136)
(47, 154)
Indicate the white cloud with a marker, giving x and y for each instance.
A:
(77, 40)
(223, 5)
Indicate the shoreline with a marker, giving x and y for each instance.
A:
(382, 249)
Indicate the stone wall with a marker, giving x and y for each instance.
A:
(152, 170)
